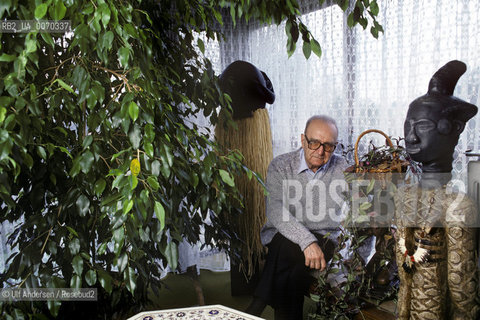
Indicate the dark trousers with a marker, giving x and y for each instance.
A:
(285, 278)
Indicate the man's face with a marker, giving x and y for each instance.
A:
(318, 131)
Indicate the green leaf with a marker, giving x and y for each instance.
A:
(107, 39)
(105, 280)
(374, 8)
(105, 12)
(194, 179)
(134, 137)
(119, 235)
(123, 56)
(28, 160)
(62, 130)
(133, 182)
(7, 58)
(83, 205)
(362, 218)
(232, 13)
(370, 186)
(133, 110)
(316, 47)
(96, 22)
(118, 221)
(350, 20)
(86, 161)
(102, 249)
(171, 253)
(117, 181)
(363, 22)
(307, 50)
(48, 39)
(153, 183)
(41, 152)
(249, 174)
(3, 112)
(149, 132)
(122, 262)
(40, 11)
(291, 46)
(168, 156)
(74, 246)
(201, 45)
(77, 264)
(365, 205)
(130, 279)
(53, 178)
(87, 141)
(59, 10)
(91, 277)
(294, 32)
(76, 282)
(54, 307)
(155, 168)
(148, 149)
(64, 85)
(72, 231)
(4, 137)
(127, 206)
(5, 101)
(378, 26)
(227, 178)
(160, 214)
(218, 16)
(116, 155)
(315, 297)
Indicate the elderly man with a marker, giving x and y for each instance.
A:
(303, 206)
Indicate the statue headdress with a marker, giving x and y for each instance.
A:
(440, 96)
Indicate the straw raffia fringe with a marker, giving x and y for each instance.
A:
(254, 140)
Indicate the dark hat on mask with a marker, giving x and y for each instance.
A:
(440, 94)
(249, 88)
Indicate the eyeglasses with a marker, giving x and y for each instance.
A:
(315, 145)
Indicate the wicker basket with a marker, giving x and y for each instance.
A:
(394, 165)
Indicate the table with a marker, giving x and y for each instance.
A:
(212, 312)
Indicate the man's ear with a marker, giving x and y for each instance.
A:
(302, 138)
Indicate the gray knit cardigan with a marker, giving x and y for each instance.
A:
(297, 205)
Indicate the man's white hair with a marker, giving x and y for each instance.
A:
(323, 118)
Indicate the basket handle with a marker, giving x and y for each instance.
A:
(389, 142)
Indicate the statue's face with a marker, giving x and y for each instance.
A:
(423, 140)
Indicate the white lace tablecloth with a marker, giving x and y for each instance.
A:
(213, 312)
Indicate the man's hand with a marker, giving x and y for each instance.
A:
(314, 258)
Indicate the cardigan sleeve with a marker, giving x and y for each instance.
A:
(278, 209)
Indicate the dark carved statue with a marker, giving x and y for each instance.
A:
(436, 242)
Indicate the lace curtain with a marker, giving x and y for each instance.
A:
(361, 81)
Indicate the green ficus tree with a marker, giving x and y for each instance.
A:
(101, 169)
